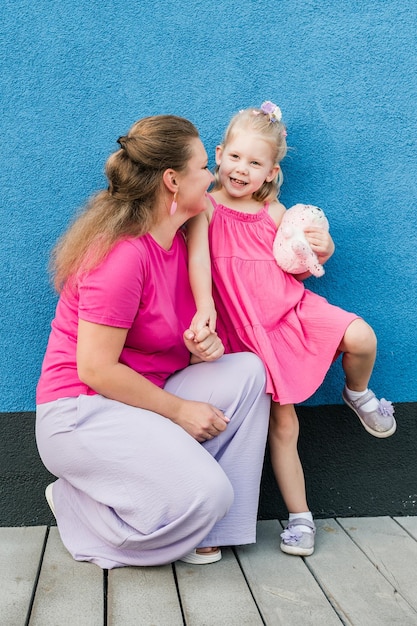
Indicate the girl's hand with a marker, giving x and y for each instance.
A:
(320, 242)
(204, 345)
(205, 316)
(201, 420)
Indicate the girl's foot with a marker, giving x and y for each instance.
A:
(379, 421)
(296, 541)
(202, 556)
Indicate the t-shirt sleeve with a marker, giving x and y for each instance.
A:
(111, 293)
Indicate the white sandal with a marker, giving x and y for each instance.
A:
(49, 499)
(198, 558)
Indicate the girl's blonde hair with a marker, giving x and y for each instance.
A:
(273, 131)
(127, 207)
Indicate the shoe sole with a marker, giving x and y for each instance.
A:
(296, 551)
(49, 499)
(375, 433)
(202, 559)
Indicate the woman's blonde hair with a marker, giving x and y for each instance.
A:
(273, 131)
(127, 207)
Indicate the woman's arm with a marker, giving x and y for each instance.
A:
(199, 265)
(98, 352)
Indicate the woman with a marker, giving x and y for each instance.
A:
(156, 437)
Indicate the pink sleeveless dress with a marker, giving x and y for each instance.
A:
(264, 310)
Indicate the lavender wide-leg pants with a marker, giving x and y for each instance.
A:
(135, 489)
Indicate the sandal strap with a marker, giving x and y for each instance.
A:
(301, 521)
(363, 399)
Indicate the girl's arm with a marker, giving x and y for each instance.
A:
(98, 352)
(199, 267)
(276, 210)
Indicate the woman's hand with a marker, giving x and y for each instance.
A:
(204, 345)
(201, 420)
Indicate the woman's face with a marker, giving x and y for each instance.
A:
(194, 181)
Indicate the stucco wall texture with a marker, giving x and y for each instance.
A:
(75, 75)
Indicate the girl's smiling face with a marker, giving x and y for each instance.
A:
(245, 163)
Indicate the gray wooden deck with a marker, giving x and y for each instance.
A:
(364, 572)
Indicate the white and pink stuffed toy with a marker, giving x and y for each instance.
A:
(291, 249)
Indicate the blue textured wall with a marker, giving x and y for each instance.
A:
(75, 75)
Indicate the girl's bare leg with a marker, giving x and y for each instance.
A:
(298, 536)
(359, 352)
(359, 348)
(283, 439)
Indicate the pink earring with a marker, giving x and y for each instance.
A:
(174, 205)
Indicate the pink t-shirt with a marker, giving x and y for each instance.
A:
(139, 286)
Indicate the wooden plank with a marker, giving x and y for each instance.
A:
(409, 523)
(358, 591)
(390, 548)
(21, 551)
(283, 587)
(216, 594)
(143, 595)
(68, 592)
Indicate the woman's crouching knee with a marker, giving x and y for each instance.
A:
(249, 367)
(214, 499)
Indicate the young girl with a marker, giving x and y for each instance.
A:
(296, 333)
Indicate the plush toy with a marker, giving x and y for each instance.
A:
(291, 249)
